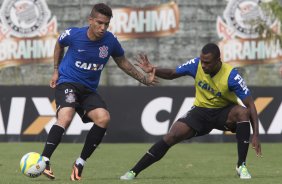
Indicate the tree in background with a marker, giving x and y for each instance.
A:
(275, 8)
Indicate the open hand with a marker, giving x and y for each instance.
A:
(144, 63)
(151, 79)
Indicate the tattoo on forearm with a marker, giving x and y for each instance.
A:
(128, 68)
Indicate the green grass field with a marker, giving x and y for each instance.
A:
(191, 163)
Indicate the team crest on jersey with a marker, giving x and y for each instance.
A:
(103, 51)
(70, 98)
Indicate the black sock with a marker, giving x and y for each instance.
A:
(155, 153)
(93, 139)
(243, 136)
(53, 140)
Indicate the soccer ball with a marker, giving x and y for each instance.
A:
(32, 164)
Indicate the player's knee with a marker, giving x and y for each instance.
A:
(65, 116)
(100, 117)
(64, 121)
(102, 120)
(243, 114)
(171, 138)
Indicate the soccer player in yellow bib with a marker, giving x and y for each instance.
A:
(217, 87)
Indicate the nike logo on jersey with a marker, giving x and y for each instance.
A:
(81, 50)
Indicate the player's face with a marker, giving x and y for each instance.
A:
(210, 64)
(98, 25)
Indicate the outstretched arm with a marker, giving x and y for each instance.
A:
(58, 55)
(127, 67)
(164, 73)
(249, 103)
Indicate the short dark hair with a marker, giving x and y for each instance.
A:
(103, 9)
(211, 48)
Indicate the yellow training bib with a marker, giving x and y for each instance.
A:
(213, 92)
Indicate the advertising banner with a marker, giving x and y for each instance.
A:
(144, 22)
(138, 114)
(28, 33)
(242, 30)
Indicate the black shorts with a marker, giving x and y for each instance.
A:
(204, 120)
(79, 97)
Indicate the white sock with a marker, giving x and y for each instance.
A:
(46, 159)
(80, 161)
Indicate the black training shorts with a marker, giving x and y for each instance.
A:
(204, 120)
(79, 97)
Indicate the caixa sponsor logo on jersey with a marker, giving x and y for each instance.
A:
(89, 66)
(207, 87)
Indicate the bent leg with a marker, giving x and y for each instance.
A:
(178, 132)
(241, 116)
(64, 118)
(101, 118)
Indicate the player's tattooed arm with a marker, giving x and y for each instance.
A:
(128, 68)
(58, 55)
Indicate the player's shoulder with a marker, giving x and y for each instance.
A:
(233, 72)
(193, 61)
(196, 60)
(67, 33)
(227, 68)
(235, 77)
(75, 30)
(70, 31)
(190, 67)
